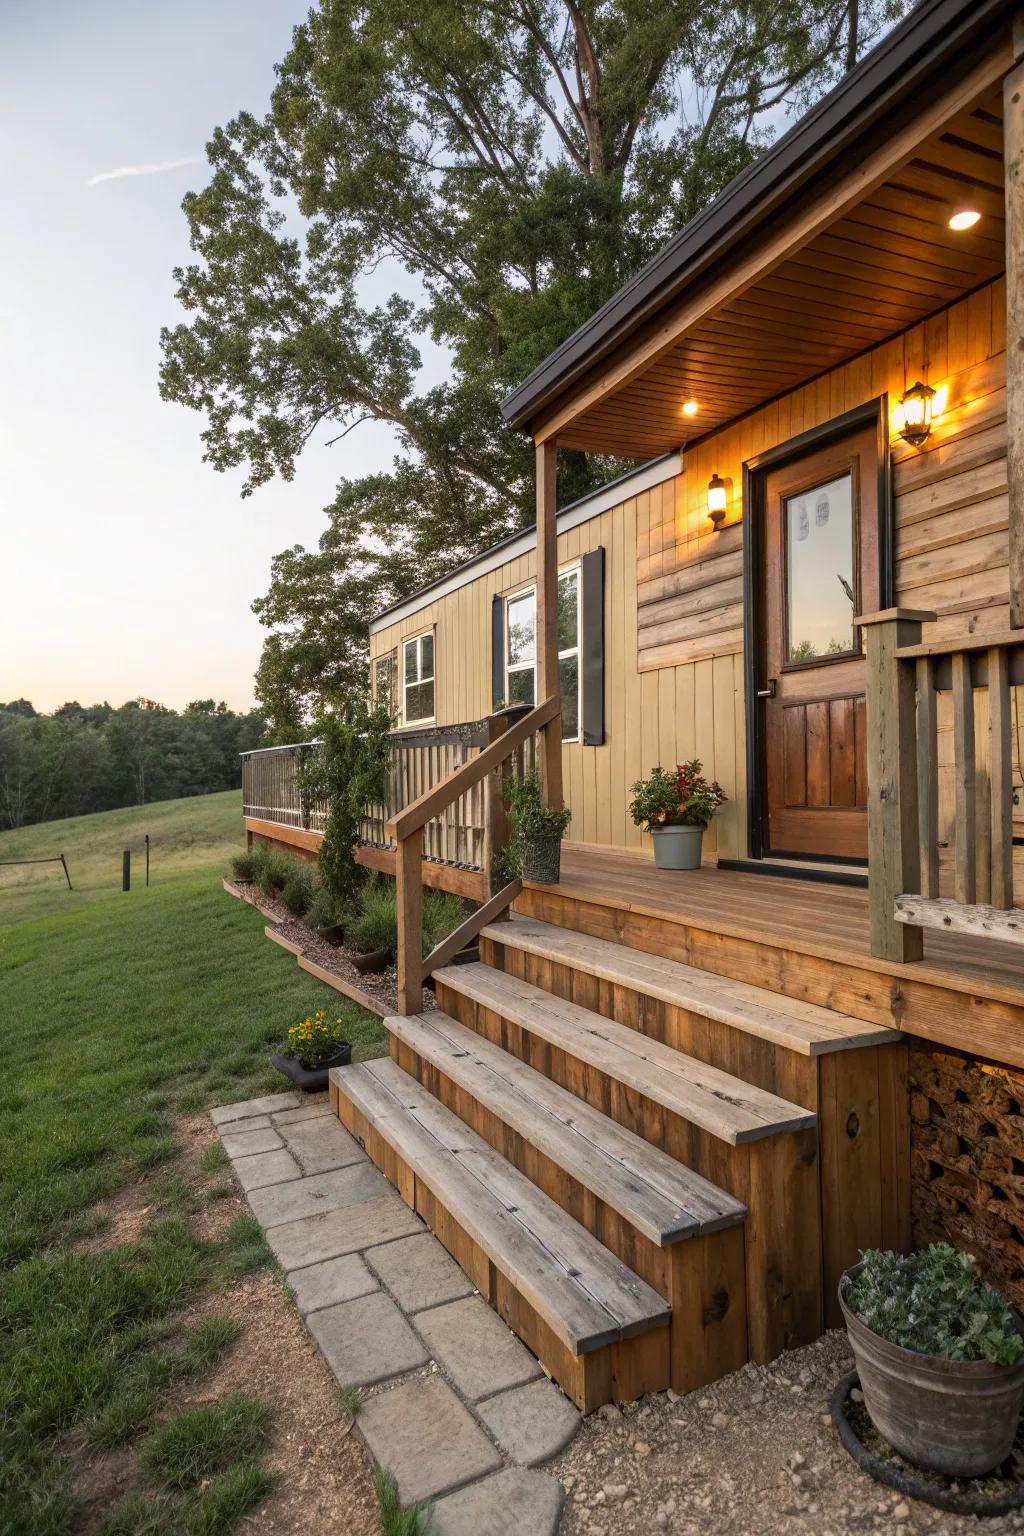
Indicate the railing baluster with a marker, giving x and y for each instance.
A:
(928, 776)
(1001, 777)
(965, 877)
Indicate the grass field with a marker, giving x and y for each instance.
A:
(117, 1011)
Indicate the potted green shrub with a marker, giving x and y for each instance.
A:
(314, 1045)
(940, 1357)
(537, 829)
(675, 807)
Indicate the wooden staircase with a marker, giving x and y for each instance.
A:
(652, 1172)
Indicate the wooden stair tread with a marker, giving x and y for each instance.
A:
(584, 1293)
(658, 1195)
(734, 1111)
(804, 1027)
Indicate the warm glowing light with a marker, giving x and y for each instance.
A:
(916, 414)
(690, 407)
(965, 219)
(717, 498)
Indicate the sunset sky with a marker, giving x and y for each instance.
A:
(128, 565)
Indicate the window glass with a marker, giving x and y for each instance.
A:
(569, 682)
(521, 623)
(521, 650)
(419, 679)
(820, 598)
(383, 682)
(521, 684)
(568, 611)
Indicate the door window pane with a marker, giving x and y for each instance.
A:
(819, 535)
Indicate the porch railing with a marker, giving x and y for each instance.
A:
(940, 782)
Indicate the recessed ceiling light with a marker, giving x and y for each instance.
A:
(965, 219)
(689, 407)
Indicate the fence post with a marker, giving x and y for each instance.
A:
(409, 906)
(495, 815)
(894, 861)
(126, 870)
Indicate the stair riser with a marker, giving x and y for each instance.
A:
(776, 1178)
(618, 1372)
(859, 1096)
(702, 1277)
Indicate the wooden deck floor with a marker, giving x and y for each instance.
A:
(813, 919)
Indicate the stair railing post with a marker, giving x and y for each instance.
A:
(409, 906)
(496, 830)
(894, 855)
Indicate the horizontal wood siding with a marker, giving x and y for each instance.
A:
(674, 604)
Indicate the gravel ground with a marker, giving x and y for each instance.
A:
(755, 1453)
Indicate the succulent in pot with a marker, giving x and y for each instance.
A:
(314, 1045)
(675, 807)
(940, 1357)
(537, 829)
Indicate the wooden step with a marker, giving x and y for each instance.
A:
(806, 1028)
(578, 1307)
(720, 1104)
(656, 1194)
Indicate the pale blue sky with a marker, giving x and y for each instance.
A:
(127, 565)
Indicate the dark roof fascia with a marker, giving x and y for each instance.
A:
(937, 33)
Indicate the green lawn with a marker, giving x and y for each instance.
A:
(116, 1010)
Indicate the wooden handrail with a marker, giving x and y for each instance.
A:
(434, 800)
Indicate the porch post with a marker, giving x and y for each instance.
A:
(547, 617)
(1013, 130)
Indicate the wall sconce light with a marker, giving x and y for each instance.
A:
(916, 408)
(717, 497)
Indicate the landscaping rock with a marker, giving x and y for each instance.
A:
(321, 1144)
(476, 1348)
(423, 1435)
(366, 1340)
(512, 1503)
(329, 1234)
(269, 1104)
(418, 1272)
(266, 1169)
(324, 1285)
(324, 1192)
(532, 1423)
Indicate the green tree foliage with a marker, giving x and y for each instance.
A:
(514, 164)
(98, 758)
(349, 772)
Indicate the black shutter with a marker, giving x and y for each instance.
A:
(592, 647)
(497, 651)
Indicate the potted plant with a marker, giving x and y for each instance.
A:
(537, 829)
(313, 1047)
(675, 807)
(940, 1357)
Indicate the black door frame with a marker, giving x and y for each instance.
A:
(755, 472)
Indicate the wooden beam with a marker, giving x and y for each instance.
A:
(1013, 129)
(951, 916)
(466, 932)
(547, 616)
(409, 902)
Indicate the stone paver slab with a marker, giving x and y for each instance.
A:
(242, 1127)
(312, 1109)
(419, 1273)
(512, 1503)
(324, 1285)
(532, 1423)
(266, 1168)
(269, 1104)
(246, 1143)
(321, 1144)
(366, 1340)
(331, 1233)
(420, 1432)
(323, 1192)
(476, 1348)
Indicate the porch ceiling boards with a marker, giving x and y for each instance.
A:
(878, 269)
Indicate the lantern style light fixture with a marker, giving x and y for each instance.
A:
(717, 497)
(916, 407)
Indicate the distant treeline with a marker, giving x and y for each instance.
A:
(97, 758)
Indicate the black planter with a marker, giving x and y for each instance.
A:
(372, 963)
(311, 1079)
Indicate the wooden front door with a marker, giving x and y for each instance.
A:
(821, 559)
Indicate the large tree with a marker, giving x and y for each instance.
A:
(514, 163)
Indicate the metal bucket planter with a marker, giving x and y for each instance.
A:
(677, 847)
(954, 1416)
(542, 857)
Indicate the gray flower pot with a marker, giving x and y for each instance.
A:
(677, 847)
(955, 1416)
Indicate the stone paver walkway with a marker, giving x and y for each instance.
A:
(452, 1403)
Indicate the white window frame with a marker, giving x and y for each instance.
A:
(406, 685)
(574, 569)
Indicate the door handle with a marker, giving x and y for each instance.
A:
(769, 692)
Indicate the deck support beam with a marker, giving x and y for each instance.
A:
(1013, 131)
(547, 617)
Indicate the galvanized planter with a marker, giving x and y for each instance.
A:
(677, 847)
(954, 1416)
(542, 857)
